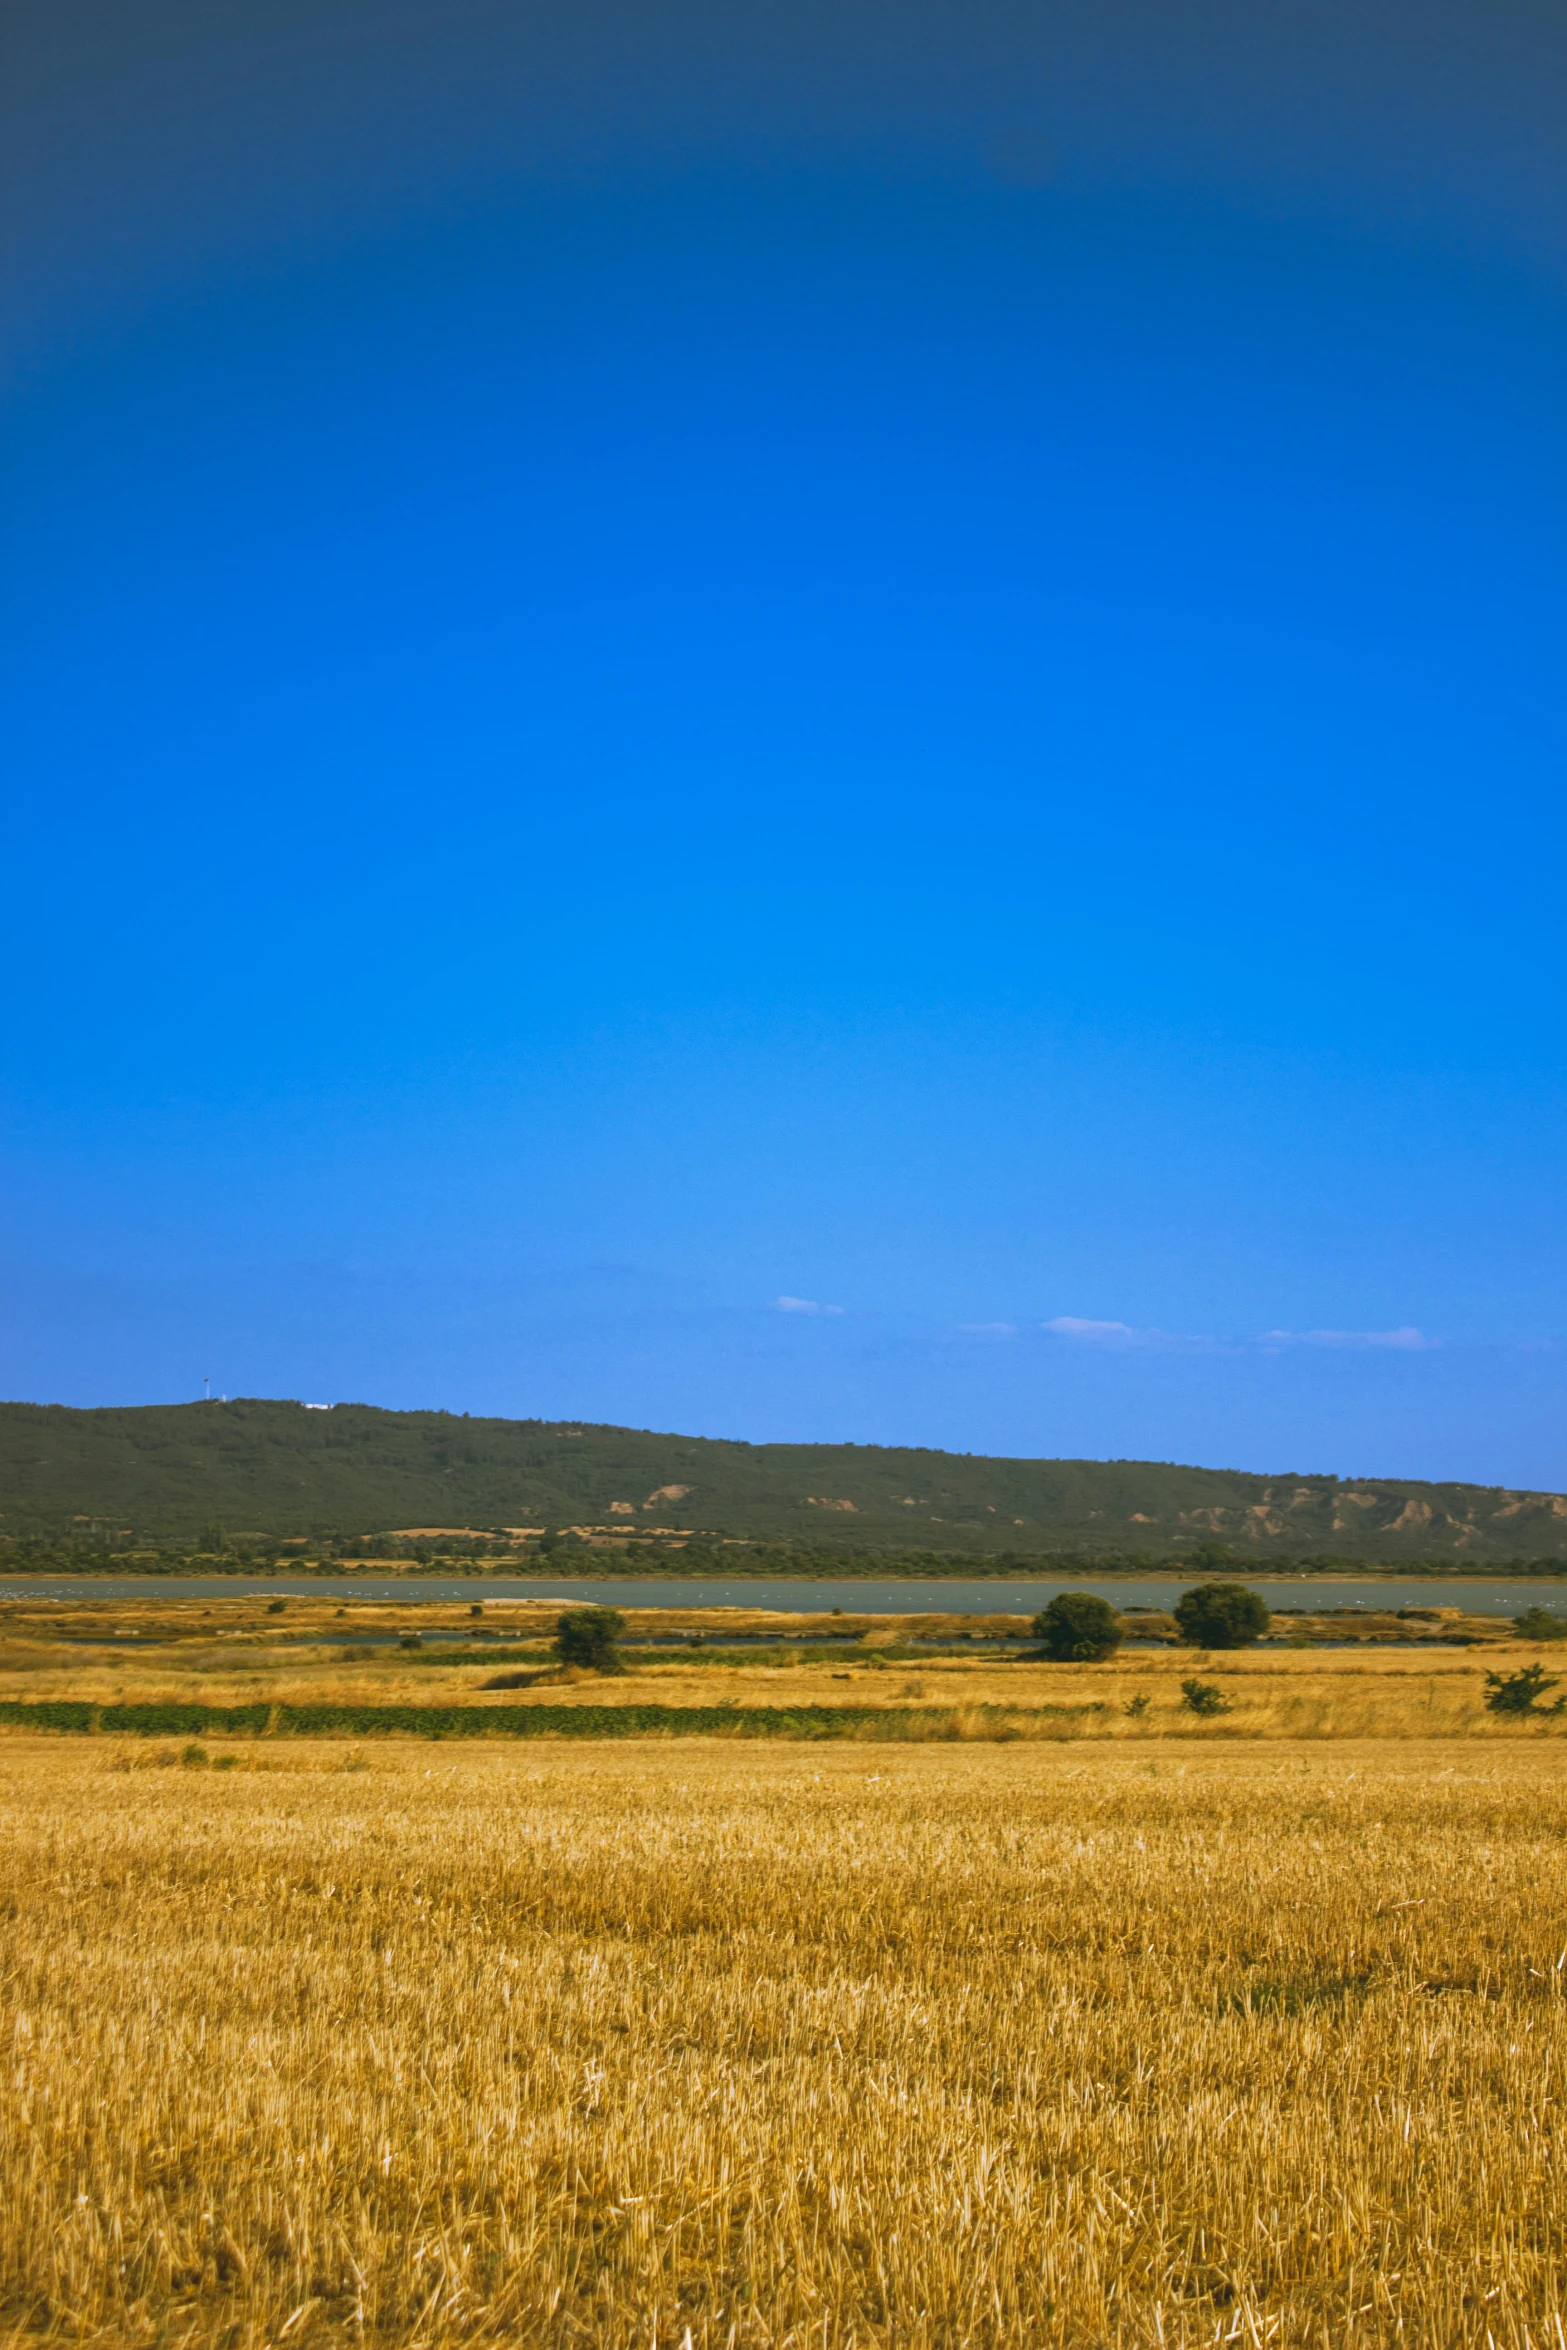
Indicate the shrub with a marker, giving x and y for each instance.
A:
(1538, 1623)
(1137, 1706)
(1078, 1628)
(1222, 1615)
(1211, 1558)
(410, 1640)
(194, 1757)
(586, 1636)
(1205, 1698)
(275, 1607)
(1520, 1693)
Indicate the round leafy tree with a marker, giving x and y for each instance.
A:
(1078, 1628)
(1222, 1615)
(586, 1636)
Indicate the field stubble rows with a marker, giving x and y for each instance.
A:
(669, 2043)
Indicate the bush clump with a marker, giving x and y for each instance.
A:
(1078, 1628)
(1222, 1615)
(587, 1636)
(1521, 1693)
(1538, 1623)
(1205, 1698)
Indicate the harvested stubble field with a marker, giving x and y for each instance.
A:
(684, 2042)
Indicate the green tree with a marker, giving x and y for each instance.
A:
(586, 1636)
(1205, 1698)
(1078, 1628)
(1222, 1615)
(1538, 1623)
(1210, 1558)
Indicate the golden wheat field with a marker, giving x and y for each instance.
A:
(695, 2043)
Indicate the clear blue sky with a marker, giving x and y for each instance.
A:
(909, 662)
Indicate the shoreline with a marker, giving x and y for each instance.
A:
(1371, 1570)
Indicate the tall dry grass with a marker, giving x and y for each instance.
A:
(666, 2044)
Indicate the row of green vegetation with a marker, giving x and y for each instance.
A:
(169, 1718)
(567, 1555)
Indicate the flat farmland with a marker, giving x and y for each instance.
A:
(432, 1666)
(681, 2041)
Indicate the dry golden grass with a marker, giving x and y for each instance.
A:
(667, 2044)
(235, 1655)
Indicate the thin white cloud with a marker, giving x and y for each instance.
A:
(1084, 1332)
(803, 1305)
(1404, 1341)
(1095, 1333)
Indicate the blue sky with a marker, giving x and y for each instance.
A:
(845, 726)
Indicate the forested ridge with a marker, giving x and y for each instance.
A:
(257, 1471)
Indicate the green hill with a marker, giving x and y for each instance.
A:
(167, 1473)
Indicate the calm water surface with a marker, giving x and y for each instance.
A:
(989, 1596)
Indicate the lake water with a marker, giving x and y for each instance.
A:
(957, 1596)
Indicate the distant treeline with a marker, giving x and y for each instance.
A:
(695, 1560)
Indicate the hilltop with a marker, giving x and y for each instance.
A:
(271, 1470)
